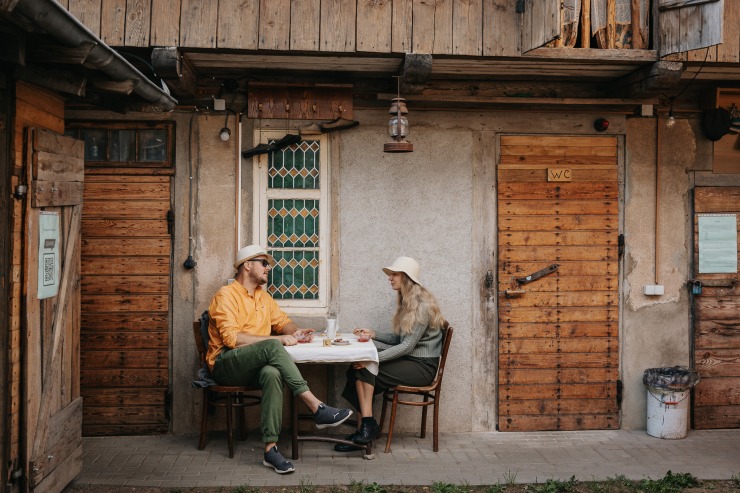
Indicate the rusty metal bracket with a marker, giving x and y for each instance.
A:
(536, 275)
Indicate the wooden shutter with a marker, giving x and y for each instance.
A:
(541, 23)
(53, 410)
(686, 25)
(558, 335)
(716, 324)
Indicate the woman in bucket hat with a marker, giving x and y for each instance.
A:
(408, 355)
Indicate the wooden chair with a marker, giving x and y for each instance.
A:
(430, 393)
(231, 398)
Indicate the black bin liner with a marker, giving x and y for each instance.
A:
(670, 378)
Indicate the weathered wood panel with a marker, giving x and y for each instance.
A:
(338, 25)
(138, 18)
(467, 28)
(402, 26)
(87, 12)
(238, 24)
(374, 30)
(566, 321)
(274, 28)
(165, 25)
(198, 22)
(126, 266)
(432, 26)
(716, 401)
(113, 22)
(501, 35)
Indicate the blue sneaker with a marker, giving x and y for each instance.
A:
(327, 416)
(275, 459)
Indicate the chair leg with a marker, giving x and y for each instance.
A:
(435, 425)
(242, 423)
(204, 421)
(382, 412)
(424, 418)
(229, 425)
(394, 407)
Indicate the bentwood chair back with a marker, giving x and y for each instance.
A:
(233, 398)
(430, 394)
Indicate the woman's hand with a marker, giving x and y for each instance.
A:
(363, 333)
(359, 365)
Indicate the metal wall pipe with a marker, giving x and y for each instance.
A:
(63, 26)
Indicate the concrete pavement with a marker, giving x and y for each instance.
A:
(463, 458)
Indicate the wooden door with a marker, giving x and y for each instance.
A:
(52, 404)
(558, 204)
(716, 401)
(126, 251)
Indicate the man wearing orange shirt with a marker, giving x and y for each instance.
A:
(247, 332)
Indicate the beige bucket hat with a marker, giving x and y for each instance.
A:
(250, 252)
(407, 265)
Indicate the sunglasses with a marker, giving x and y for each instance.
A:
(263, 261)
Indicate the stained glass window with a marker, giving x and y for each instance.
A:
(293, 199)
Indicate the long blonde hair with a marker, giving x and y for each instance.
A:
(415, 305)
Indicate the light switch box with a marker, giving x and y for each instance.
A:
(653, 290)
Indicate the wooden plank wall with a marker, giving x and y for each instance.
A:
(442, 27)
(35, 107)
(558, 339)
(717, 326)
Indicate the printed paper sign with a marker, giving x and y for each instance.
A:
(717, 243)
(49, 267)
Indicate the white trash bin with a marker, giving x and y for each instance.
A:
(668, 390)
(667, 413)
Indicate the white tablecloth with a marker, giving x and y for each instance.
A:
(316, 352)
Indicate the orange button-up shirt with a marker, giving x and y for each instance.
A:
(234, 310)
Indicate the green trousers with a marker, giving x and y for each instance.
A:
(265, 365)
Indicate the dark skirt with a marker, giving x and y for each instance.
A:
(406, 370)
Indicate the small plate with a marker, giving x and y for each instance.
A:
(340, 343)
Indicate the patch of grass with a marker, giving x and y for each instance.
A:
(245, 489)
(373, 488)
(555, 486)
(510, 477)
(306, 486)
(736, 480)
(670, 483)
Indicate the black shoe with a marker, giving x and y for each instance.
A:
(367, 433)
(338, 124)
(259, 149)
(287, 141)
(344, 447)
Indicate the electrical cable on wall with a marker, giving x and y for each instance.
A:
(190, 262)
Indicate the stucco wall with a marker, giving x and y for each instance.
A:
(655, 329)
(418, 205)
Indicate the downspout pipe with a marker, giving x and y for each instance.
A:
(55, 20)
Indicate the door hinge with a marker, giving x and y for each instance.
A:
(519, 6)
(620, 386)
(170, 222)
(620, 246)
(488, 282)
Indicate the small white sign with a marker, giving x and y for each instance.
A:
(717, 243)
(49, 268)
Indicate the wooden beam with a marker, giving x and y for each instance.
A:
(654, 80)
(417, 71)
(56, 53)
(56, 80)
(114, 86)
(176, 70)
(13, 47)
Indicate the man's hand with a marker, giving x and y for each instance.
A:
(287, 340)
(304, 335)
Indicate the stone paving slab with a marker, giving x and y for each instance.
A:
(463, 458)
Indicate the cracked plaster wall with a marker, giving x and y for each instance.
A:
(655, 329)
